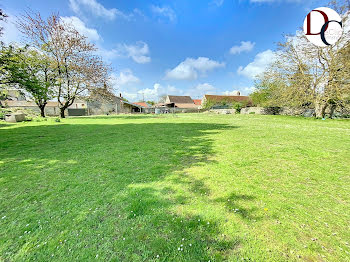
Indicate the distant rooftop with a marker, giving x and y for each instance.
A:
(216, 98)
(181, 99)
(143, 104)
(198, 102)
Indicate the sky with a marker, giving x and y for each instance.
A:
(178, 47)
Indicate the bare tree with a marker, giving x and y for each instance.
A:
(78, 69)
(3, 17)
(306, 75)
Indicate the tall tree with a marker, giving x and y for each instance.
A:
(309, 75)
(28, 70)
(79, 70)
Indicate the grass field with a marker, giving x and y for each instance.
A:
(175, 188)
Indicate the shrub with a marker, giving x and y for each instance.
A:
(208, 104)
(238, 106)
(3, 112)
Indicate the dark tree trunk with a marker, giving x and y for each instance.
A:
(62, 112)
(331, 113)
(41, 106)
(42, 111)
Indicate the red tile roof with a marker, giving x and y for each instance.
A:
(216, 98)
(143, 104)
(198, 102)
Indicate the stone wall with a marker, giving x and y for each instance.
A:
(253, 110)
(223, 111)
(49, 110)
(306, 112)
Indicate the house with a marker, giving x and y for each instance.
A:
(180, 102)
(222, 101)
(108, 103)
(96, 104)
(143, 104)
(145, 108)
(197, 102)
(51, 108)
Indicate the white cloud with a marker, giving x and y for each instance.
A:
(80, 26)
(125, 78)
(241, 90)
(205, 87)
(150, 94)
(249, 90)
(258, 66)
(125, 83)
(200, 90)
(135, 94)
(97, 9)
(158, 90)
(189, 69)
(164, 11)
(139, 52)
(131, 96)
(245, 46)
(230, 93)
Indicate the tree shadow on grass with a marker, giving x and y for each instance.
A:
(234, 202)
(103, 191)
(5, 125)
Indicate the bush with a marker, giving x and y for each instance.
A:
(238, 107)
(40, 119)
(252, 113)
(3, 112)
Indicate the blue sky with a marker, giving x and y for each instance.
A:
(179, 47)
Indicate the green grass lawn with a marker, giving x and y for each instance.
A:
(189, 187)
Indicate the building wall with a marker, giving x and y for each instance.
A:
(101, 108)
(115, 106)
(223, 111)
(49, 110)
(253, 110)
(94, 107)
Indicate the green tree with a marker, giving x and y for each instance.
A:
(208, 104)
(306, 75)
(79, 71)
(29, 70)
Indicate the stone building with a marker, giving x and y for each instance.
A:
(95, 105)
(181, 103)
